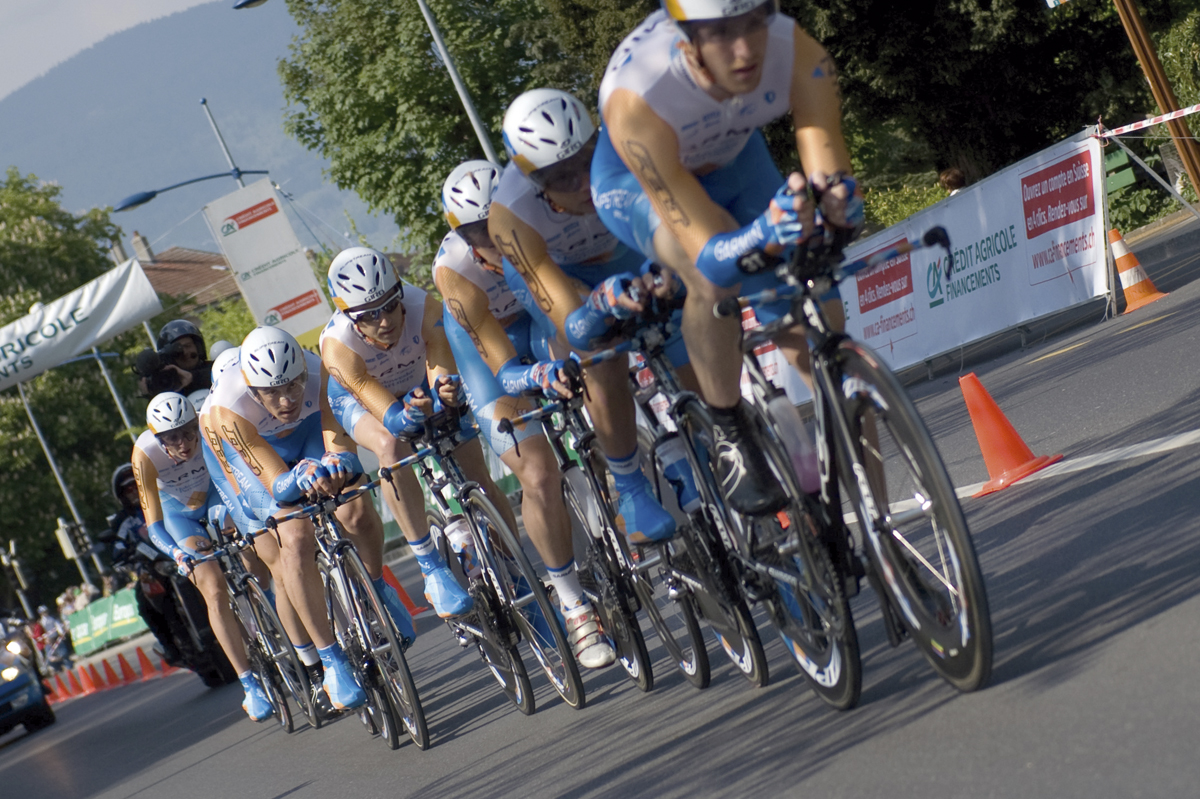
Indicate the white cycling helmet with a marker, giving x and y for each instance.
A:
(545, 126)
(271, 357)
(362, 276)
(198, 397)
(169, 411)
(467, 193)
(219, 346)
(694, 10)
(223, 362)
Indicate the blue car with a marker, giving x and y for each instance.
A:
(22, 699)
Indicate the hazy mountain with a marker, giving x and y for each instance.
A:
(124, 116)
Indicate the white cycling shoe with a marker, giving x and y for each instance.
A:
(591, 646)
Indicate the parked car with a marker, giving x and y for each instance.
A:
(22, 698)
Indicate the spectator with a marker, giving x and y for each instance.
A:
(952, 180)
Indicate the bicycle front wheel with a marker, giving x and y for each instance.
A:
(260, 661)
(912, 526)
(278, 647)
(524, 595)
(384, 650)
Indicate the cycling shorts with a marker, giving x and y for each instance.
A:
(483, 387)
(744, 187)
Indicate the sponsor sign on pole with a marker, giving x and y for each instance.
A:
(91, 314)
(268, 263)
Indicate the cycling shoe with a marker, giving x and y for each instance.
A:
(640, 516)
(343, 690)
(256, 704)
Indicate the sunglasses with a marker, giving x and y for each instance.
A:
(475, 233)
(293, 391)
(177, 438)
(572, 175)
(375, 314)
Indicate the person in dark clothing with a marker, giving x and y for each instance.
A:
(179, 364)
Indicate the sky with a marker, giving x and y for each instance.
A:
(35, 35)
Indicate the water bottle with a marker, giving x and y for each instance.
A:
(458, 533)
(792, 432)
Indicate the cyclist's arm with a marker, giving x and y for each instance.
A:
(213, 442)
(349, 369)
(525, 249)
(439, 360)
(146, 475)
(817, 108)
(259, 456)
(333, 437)
(650, 148)
(468, 305)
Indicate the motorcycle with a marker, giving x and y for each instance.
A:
(175, 598)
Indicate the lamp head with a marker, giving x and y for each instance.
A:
(134, 200)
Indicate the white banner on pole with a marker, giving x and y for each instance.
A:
(268, 263)
(91, 314)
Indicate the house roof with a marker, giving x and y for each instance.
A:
(191, 274)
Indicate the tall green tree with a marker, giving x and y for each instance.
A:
(45, 252)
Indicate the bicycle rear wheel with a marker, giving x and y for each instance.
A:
(376, 715)
(389, 664)
(278, 647)
(912, 525)
(610, 592)
(523, 594)
(486, 625)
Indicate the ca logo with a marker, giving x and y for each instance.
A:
(933, 279)
(272, 319)
(227, 228)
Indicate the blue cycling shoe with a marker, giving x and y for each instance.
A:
(256, 704)
(441, 589)
(395, 608)
(640, 516)
(343, 690)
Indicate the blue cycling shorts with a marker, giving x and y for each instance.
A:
(744, 187)
(483, 387)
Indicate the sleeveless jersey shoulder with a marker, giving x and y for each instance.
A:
(570, 238)
(710, 132)
(185, 482)
(457, 256)
(399, 367)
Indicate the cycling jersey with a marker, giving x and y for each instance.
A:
(257, 447)
(500, 331)
(367, 377)
(175, 496)
(711, 132)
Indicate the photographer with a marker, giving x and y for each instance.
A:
(179, 364)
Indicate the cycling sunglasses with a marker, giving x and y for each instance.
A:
(475, 234)
(568, 176)
(375, 314)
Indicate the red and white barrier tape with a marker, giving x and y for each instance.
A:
(1158, 120)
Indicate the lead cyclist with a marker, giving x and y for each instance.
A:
(682, 174)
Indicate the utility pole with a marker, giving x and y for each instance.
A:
(1143, 48)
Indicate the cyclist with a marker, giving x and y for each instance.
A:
(554, 246)
(385, 348)
(176, 493)
(683, 175)
(489, 332)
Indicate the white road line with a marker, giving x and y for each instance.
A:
(1155, 446)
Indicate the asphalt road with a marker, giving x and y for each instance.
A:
(1093, 572)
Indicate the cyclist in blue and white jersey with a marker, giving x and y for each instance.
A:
(280, 441)
(176, 494)
(492, 337)
(682, 174)
(556, 250)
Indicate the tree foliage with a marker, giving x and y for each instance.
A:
(45, 252)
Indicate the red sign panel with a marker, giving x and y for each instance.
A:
(886, 283)
(254, 213)
(1058, 195)
(295, 305)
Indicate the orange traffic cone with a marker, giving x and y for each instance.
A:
(128, 675)
(167, 668)
(48, 691)
(391, 580)
(148, 670)
(85, 679)
(1007, 457)
(1139, 289)
(60, 688)
(76, 688)
(110, 676)
(96, 679)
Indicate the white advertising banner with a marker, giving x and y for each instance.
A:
(267, 261)
(1028, 241)
(91, 314)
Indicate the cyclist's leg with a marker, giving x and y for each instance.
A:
(714, 345)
